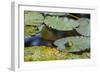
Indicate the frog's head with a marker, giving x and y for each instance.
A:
(69, 44)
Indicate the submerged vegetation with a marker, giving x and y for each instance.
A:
(44, 53)
(56, 36)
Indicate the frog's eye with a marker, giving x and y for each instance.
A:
(69, 44)
(78, 26)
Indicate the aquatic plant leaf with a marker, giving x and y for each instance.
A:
(73, 44)
(55, 13)
(30, 30)
(33, 18)
(84, 26)
(59, 23)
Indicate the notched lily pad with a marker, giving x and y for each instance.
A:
(30, 30)
(54, 13)
(33, 18)
(84, 26)
(58, 23)
(73, 44)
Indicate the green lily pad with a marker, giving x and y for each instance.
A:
(58, 23)
(30, 30)
(55, 13)
(73, 44)
(33, 18)
(84, 26)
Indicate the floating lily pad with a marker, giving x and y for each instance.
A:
(55, 13)
(84, 26)
(73, 44)
(33, 18)
(30, 30)
(59, 23)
